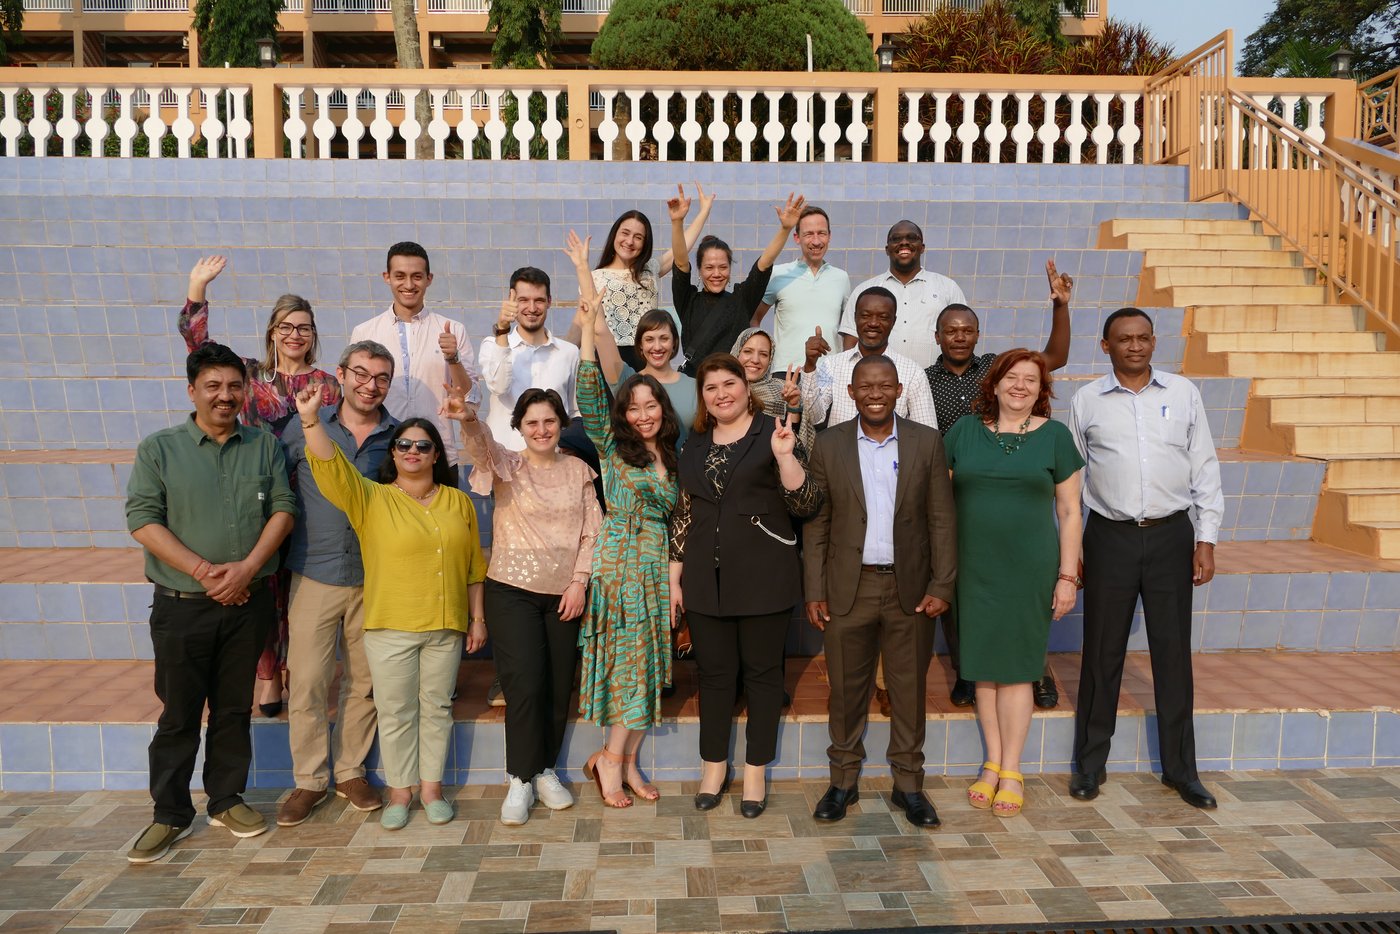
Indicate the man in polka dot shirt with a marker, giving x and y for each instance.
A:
(954, 379)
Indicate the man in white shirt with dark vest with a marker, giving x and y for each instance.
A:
(1149, 462)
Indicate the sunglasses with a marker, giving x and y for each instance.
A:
(404, 445)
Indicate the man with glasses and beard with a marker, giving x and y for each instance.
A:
(326, 600)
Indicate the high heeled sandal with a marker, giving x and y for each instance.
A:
(648, 791)
(619, 798)
(983, 788)
(1012, 798)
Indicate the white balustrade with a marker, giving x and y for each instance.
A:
(587, 6)
(135, 6)
(860, 7)
(459, 6)
(48, 6)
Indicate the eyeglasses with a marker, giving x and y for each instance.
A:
(302, 330)
(404, 445)
(362, 376)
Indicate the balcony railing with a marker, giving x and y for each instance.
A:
(48, 6)
(587, 6)
(136, 6)
(352, 6)
(924, 7)
(459, 6)
(676, 116)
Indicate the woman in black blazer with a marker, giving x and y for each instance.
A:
(735, 571)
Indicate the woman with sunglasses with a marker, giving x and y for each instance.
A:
(289, 350)
(423, 590)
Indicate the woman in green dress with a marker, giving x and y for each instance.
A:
(626, 633)
(1014, 473)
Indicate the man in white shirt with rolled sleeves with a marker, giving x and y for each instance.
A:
(522, 355)
(1150, 462)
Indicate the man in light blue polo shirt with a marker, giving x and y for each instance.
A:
(806, 295)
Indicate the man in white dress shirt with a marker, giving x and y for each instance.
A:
(920, 296)
(523, 355)
(826, 376)
(1149, 462)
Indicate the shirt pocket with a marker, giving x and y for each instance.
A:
(253, 503)
(1173, 431)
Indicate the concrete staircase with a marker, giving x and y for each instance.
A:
(1323, 387)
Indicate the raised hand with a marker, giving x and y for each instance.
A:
(816, 348)
(309, 401)
(455, 405)
(784, 439)
(577, 250)
(789, 213)
(1061, 283)
(204, 272)
(792, 393)
(447, 343)
(706, 201)
(679, 206)
(510, 307)
(587, 312)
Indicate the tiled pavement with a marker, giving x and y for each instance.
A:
(1298, 842)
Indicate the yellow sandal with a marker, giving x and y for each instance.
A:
(1012, 798)
(982, 788)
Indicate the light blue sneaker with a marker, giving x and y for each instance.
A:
(440, 811)
(394, 817)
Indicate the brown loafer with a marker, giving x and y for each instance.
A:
(882, 697)
(361, 794)
(298, 806)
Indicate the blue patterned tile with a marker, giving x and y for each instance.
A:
(1339, 631)
(1257, 736)
(1307, 591)
(964, 743)
(60, 602)
(1260, 630)
(1378, 630)
(1347, 591)
(1214, 735)
(1351, 736)
(21, 603)
(25, 747)
(23, 641)
(1304, 736)
(1383, 592)
(1301, 630)
(27, 781)
(124, 746)
(125, 781)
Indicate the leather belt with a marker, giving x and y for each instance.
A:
(1149, 523)
(878, 568)
(253, 587)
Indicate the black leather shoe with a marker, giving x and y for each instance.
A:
(1192, 792)
(704, 801)
(833, 804)
(1085, 787)
(964, 693)
(917, 808)
(1047, 693)
(272, 710)
(752, 809)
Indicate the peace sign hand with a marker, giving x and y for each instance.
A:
(784, 439)
(679, 206)
(1061, 283)
(792, 393)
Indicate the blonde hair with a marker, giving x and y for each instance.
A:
(284, 307)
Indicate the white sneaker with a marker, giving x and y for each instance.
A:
(552, 792)
(515, 810)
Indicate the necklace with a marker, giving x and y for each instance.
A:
(422, 499)
(1013, 444)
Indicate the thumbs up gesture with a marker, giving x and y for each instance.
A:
(447, 343)
(816, 348)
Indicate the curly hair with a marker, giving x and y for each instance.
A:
(629, 444)
(986, 406)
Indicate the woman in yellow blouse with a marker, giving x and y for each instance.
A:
(423, 590)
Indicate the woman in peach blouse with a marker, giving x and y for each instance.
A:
(547, 519)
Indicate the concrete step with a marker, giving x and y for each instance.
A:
(1342, 520)
(1219, 318)
(1363, 473)
(1142, 242)
(1189, 295)
(1375, 505)
(1284, 387)
(1294, 341)
(1323, 441)
(1236, 258)
(1297, 364)
(1352, 409)
(1177, 225)
(80, 726)
(1163, 277)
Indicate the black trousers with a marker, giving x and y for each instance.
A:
(535, 654)
(204, 652)
(724, 645)
(1123, 562)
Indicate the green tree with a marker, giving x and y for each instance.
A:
(526, 32)
(1296, 31)
(229, 30)
(11, 22)
(732, 35)
(1043, 16)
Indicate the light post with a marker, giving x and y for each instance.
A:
(1341, 62)
(885, 55)
(267, 52)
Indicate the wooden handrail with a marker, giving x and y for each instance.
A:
(1378, 110)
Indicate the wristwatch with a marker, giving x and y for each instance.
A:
(500, 331)
(1073, 579)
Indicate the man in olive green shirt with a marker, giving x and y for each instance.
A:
(209, 501)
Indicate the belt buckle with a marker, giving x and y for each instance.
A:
(1144, 523)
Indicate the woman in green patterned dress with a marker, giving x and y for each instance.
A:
(626, 633)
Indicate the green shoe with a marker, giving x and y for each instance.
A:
(439, 811)
(241, 821)
(394, 817)
(155, 842)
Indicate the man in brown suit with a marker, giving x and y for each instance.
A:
(879, 559)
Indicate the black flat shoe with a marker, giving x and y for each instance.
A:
(964, 693)
(1192, 792)
(1085, 787)
(1047, 693)
(752, 809)
(271, 710)
(704, 801)
(832, 806)
(918, 810)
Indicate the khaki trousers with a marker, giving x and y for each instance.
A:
(319, 615)
(878, 626)
(414, 673)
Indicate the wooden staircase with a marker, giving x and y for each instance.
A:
(1323, 386)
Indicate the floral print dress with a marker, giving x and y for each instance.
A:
(270, 404)
(625, 635)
